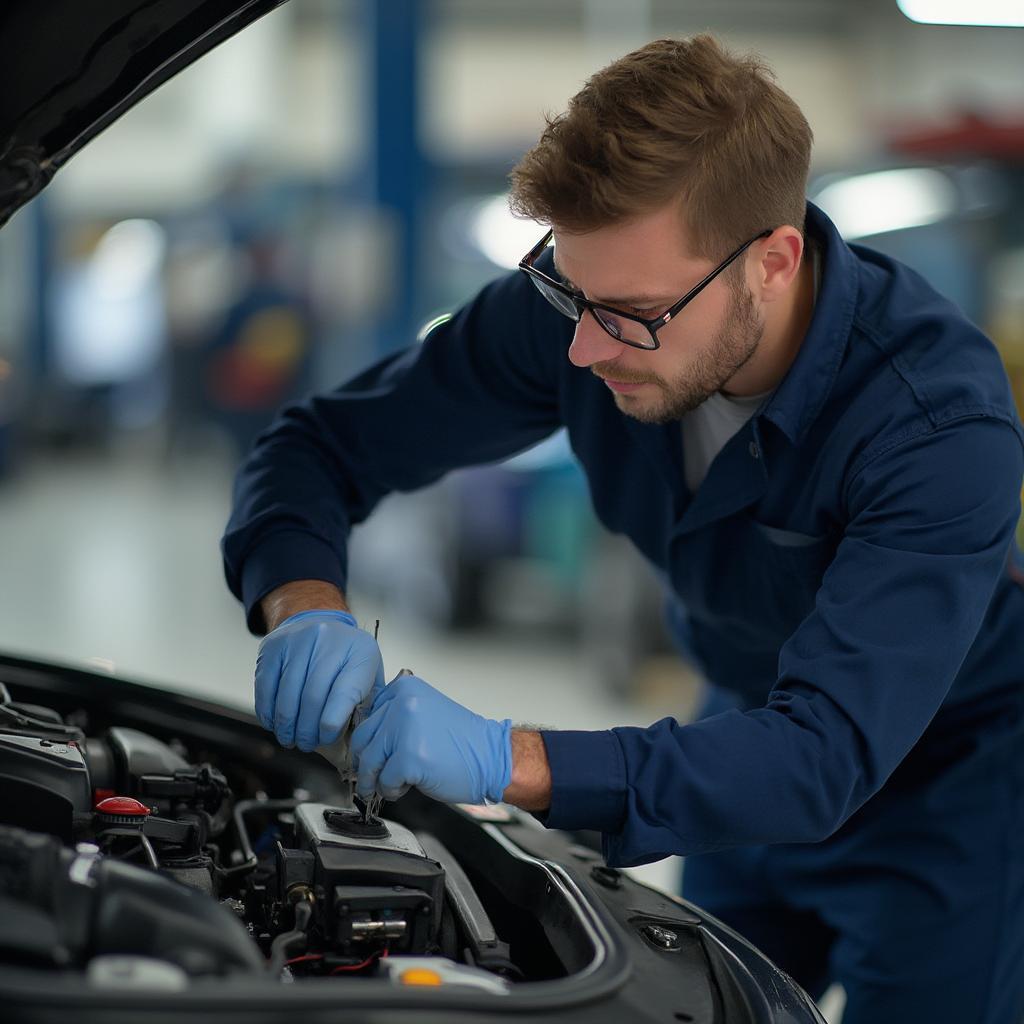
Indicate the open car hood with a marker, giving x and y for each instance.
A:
(68, 69)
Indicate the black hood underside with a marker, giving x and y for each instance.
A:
(69, 68)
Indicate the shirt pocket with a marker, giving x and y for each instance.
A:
(786, 538)
(752, 581)
(788, 565)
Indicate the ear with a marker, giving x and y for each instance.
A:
(777, 261)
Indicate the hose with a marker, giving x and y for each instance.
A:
(282, 945)
(244, 843)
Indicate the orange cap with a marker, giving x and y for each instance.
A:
(419, 976)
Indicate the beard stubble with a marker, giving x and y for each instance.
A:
(736, 341)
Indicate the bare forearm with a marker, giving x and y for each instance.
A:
(299, 596)
(530, 787)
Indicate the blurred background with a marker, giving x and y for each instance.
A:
(301, 202)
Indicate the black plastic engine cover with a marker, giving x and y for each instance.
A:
(364, 885)
(93, 906)
(45, 784)
(366, 888)
(136, 754)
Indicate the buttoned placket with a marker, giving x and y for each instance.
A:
(737, 478)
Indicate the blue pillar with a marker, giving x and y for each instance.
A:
(396, 167)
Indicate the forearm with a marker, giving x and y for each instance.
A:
(530, 787)
(299, 596)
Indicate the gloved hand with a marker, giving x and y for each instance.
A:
(311, 673)
(416, 736)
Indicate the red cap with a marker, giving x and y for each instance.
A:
(122, 806)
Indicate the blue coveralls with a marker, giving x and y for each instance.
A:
(845, 577)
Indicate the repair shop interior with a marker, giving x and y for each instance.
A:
(396, 625)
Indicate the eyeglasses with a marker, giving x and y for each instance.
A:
(625, 327)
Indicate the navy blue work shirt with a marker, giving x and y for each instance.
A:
(847, 568)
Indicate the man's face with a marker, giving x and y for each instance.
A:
(642, 268)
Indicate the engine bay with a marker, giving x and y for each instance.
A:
(123, 834)
(163, 858)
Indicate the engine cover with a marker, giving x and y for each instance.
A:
(45, 784)
(372, 893)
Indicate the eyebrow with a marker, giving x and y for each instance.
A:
(635, 300)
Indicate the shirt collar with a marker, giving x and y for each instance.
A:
(799, 398)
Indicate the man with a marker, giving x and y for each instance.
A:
(821, 457)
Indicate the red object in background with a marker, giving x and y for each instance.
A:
(239, 382)
(969, 135)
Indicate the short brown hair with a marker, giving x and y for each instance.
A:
(675, 119)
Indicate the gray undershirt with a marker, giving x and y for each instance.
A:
(708, 429)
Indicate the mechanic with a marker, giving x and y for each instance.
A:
(820, 456)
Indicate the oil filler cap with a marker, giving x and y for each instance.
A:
(121, 810)
(352, 824)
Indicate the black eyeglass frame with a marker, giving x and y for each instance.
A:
(654, 325)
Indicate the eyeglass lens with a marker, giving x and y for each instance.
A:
(623, 329)
(620, 328)
(558, 299)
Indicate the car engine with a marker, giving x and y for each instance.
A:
(119, 853)
(163, 859)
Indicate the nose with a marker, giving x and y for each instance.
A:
(591, 343)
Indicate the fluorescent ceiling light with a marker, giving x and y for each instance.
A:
(870, 204)
(502, 238)
(128, 257)
(1004, 13)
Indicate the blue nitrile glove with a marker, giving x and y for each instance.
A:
(416, 736)
(311, 672)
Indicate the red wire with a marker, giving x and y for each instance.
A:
(337, 970)
(359, 967)
(354, 967)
